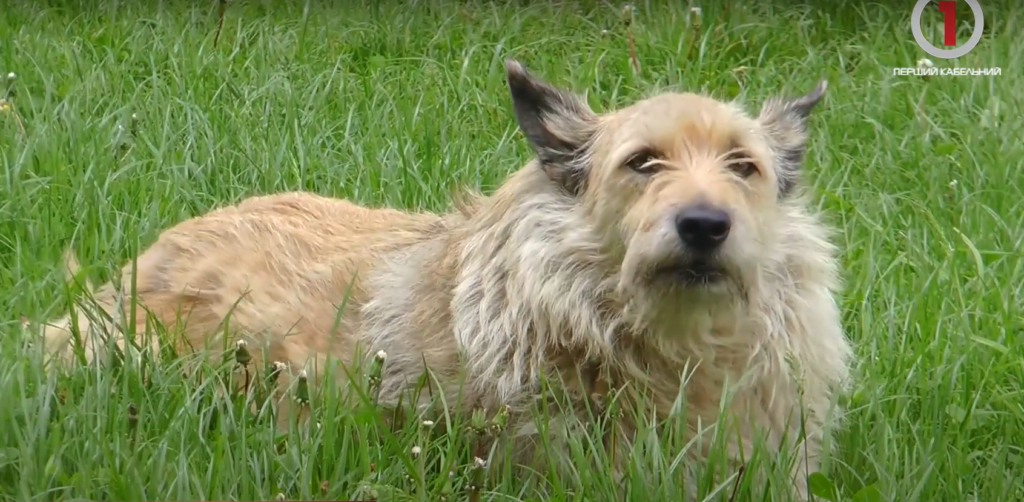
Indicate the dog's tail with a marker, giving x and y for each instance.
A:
(91, 319)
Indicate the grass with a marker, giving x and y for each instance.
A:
(399, 104)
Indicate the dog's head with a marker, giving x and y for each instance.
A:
(687, 190)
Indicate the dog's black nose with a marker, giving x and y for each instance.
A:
(703, 228)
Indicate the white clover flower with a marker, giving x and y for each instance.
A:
(695, 16)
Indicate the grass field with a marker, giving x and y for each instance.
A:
(402, 103)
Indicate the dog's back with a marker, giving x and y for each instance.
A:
(271, 268)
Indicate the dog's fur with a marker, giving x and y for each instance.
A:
(573, 267)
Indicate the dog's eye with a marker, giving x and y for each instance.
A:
(744, 169)
(643, 161)
(742, 165)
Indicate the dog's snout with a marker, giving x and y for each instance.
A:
(702, 227)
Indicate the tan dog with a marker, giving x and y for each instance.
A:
(664, 241)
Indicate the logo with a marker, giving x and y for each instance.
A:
(948, 9)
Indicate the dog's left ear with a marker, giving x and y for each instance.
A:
(785, 124)
(557, 123)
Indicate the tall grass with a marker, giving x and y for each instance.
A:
(126, 118)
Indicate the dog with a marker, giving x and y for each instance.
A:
(668, 240)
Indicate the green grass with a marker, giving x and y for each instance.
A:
(400, 104)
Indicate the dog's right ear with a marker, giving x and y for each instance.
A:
(557, 124)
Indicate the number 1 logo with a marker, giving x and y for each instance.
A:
(948, 10)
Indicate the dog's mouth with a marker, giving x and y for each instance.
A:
(691, 273)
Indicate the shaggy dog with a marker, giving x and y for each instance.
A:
(665, 241)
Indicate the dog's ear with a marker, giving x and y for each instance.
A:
(784, 120)
(557, 123)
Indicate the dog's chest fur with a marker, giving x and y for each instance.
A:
(493, 305)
